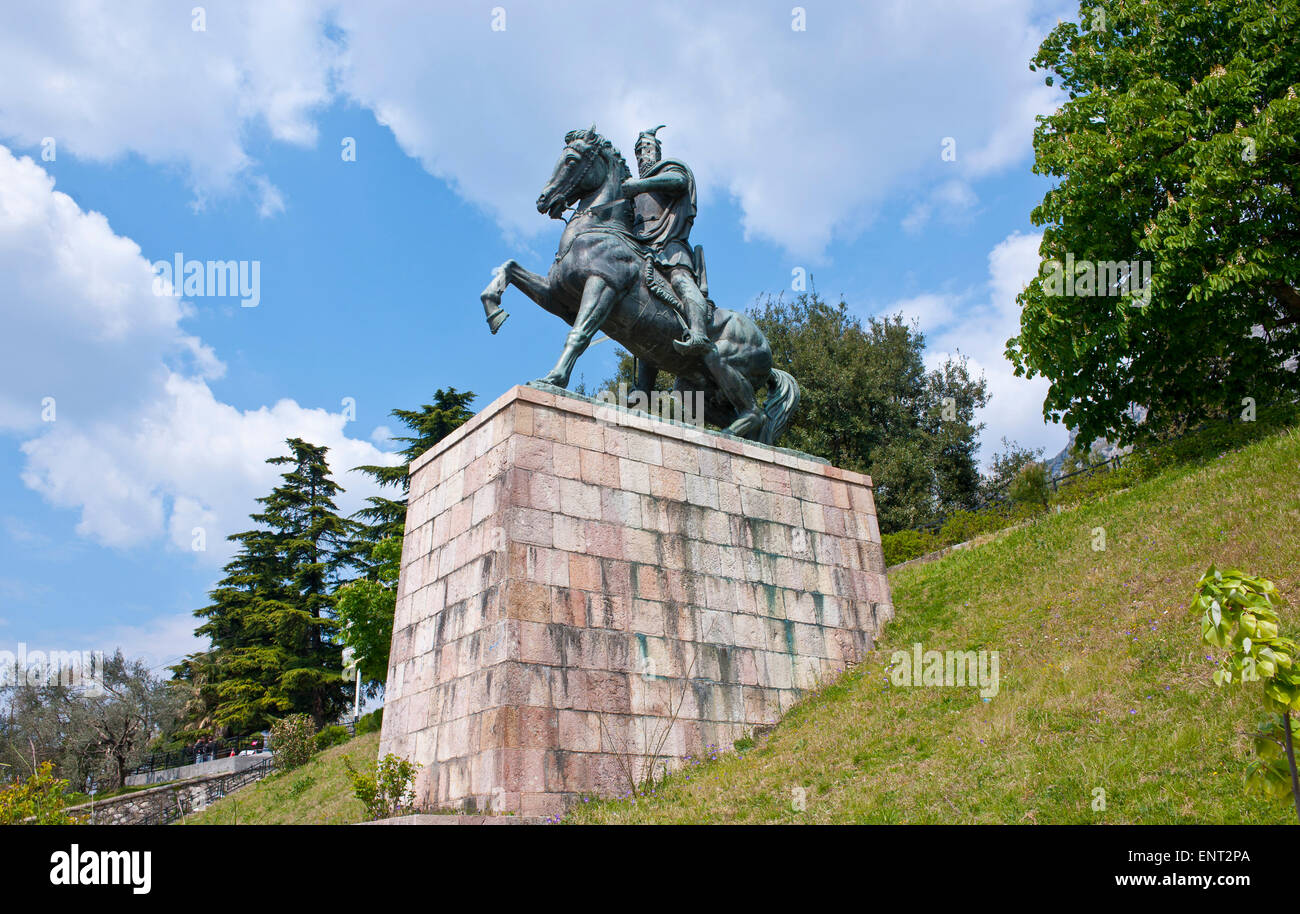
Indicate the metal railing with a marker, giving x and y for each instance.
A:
(204, 752)
(211, 751)
(997, 496)
(214, 790)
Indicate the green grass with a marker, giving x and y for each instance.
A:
(1104, 682)
(318, 793)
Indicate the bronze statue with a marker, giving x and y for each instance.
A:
(665, 211)
(625, 266)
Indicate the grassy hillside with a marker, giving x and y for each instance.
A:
(1103, 681)
(318, 793)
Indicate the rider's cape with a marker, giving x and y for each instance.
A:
(664, 220)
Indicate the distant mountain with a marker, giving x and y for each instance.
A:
(1101, 447)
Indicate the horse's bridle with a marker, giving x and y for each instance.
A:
(584, 162)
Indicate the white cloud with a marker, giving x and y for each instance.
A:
(78, 301)
(106, 79)
(977, 324)
(270, 201)
(809, 131)
(139, 444)
(159, 641)
(951, 201)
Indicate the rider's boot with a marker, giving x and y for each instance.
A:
(697, 340)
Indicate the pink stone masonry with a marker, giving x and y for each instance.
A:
(587, 592)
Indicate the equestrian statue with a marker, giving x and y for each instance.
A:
(625, 266)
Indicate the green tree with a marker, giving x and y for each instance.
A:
(132, 707)
(869, 404)
(384, 517)
(1005, 465)
(1030, 486)
(93, 730)
(365, 610)
(366, 606)
(271, 623)
(1176, 146)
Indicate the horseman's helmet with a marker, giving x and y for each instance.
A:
(647, 139)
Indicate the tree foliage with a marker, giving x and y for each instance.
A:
(271, 623)
(1177, 146)
(366, 607)
(383, 517)
(870, 405)
(94, 731)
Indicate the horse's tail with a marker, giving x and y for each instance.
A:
(782, 401)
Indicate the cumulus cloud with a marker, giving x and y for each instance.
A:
(138, 443)
(106, 79)
(808, 130)
(976, 324)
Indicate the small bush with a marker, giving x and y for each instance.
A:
(331, 736)
(904, 545)
(1029, 487)
(301, 786)
(385, 791)
(370, 723)
(38, 800)
(293, 742)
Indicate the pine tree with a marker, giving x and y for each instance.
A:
(367, 605)
(384, 518)
(271, 622)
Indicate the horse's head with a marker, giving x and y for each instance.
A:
(583, 167)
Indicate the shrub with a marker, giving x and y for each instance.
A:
(38, 800)
(1029, 487)
(331, 736)
(371, 723)
(1239, 615)
(904, 545)
(385, 790)
(293, 742)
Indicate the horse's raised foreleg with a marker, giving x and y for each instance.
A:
(531, 284)
(598, 298)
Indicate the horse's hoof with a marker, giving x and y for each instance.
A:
(747, 426)
(496, 319)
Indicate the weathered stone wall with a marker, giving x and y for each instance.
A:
(581, 597)
(151, 805)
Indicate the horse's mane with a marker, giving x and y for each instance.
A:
(589, 135)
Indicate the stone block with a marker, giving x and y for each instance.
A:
(570, 584)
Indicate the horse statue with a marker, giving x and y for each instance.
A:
(604, 278)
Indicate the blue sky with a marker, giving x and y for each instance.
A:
(818, 149)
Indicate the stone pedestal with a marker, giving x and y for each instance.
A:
(586, 593)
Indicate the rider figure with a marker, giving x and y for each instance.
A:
(664, 197)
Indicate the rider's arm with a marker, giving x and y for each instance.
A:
(669, 180)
